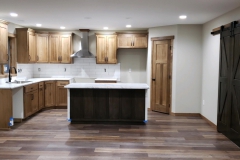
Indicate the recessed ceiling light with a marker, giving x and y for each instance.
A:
(183, 17)
(105, 28)
(62, 27)
(14, 14)
(39, 25)
(128, 26)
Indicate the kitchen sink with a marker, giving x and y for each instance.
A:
(19, 82)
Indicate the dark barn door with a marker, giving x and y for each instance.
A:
(229, 84)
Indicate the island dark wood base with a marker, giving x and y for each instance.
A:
(107, 105)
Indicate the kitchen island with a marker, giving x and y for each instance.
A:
(107, 102)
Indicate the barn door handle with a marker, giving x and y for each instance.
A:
(153, 79)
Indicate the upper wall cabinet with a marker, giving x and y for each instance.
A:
(42, 47)
(60, 48)
(65, 48)
(3, 42)
(106, 49)
(132, 40)
(26, 45)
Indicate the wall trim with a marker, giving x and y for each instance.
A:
(209, 122)
(186, 114)
(162, 38)
(195, 115)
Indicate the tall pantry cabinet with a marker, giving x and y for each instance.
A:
(3, 42)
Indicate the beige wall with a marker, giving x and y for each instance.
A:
(134, 59)
(187, 66)
(211, 64)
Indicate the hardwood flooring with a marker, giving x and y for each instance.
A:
(48, 135)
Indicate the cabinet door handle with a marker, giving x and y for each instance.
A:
(32, 97)
(7, 57)
(153, 79)
(62, 84)
(37, 58)
(107, 59)
(133, 43)
(29, 57)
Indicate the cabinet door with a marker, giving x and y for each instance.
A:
(3, 43)
(32, 46)
(61, 93)
(101, 49)
(34, 103)
(140, 41)
(49, 94)
(28, 97)
(42, 48)
(41, 97)
(111, 49)
(125, 41)
(54, 48)
(65, 48)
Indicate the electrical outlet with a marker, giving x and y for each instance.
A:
(39, 69)
(65, 69)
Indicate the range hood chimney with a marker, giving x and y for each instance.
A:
(84, 52)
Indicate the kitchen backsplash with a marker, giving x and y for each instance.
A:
(82, 68)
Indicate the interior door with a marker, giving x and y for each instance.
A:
(235, 90)
(224, 94)
(161, 56)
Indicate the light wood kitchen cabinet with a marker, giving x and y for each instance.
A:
(41, 95)
(30, 99)
(49, 93)
(42, 47)
(54, 48)
(26, 45)
(6, 111)
(60, 48)
(61, 93)
(106, 49)
(65, 48)
(133, 40)
(3, 42)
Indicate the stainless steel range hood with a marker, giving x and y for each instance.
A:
(84, 52)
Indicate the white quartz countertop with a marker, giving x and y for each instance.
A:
(108, 85)
(105, 79)
(33, 80)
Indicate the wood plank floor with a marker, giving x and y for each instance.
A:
(48, 135)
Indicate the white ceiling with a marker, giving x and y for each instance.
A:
(95, 14)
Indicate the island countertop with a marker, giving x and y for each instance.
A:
(108, 85)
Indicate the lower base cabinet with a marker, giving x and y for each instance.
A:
(118, 105)
(30, 99)
(41, 95)
(49, 93)
(61, 93)
(55, 93)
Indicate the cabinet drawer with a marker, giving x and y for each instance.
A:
(40, 85)
(62, 83)
(31, 87)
